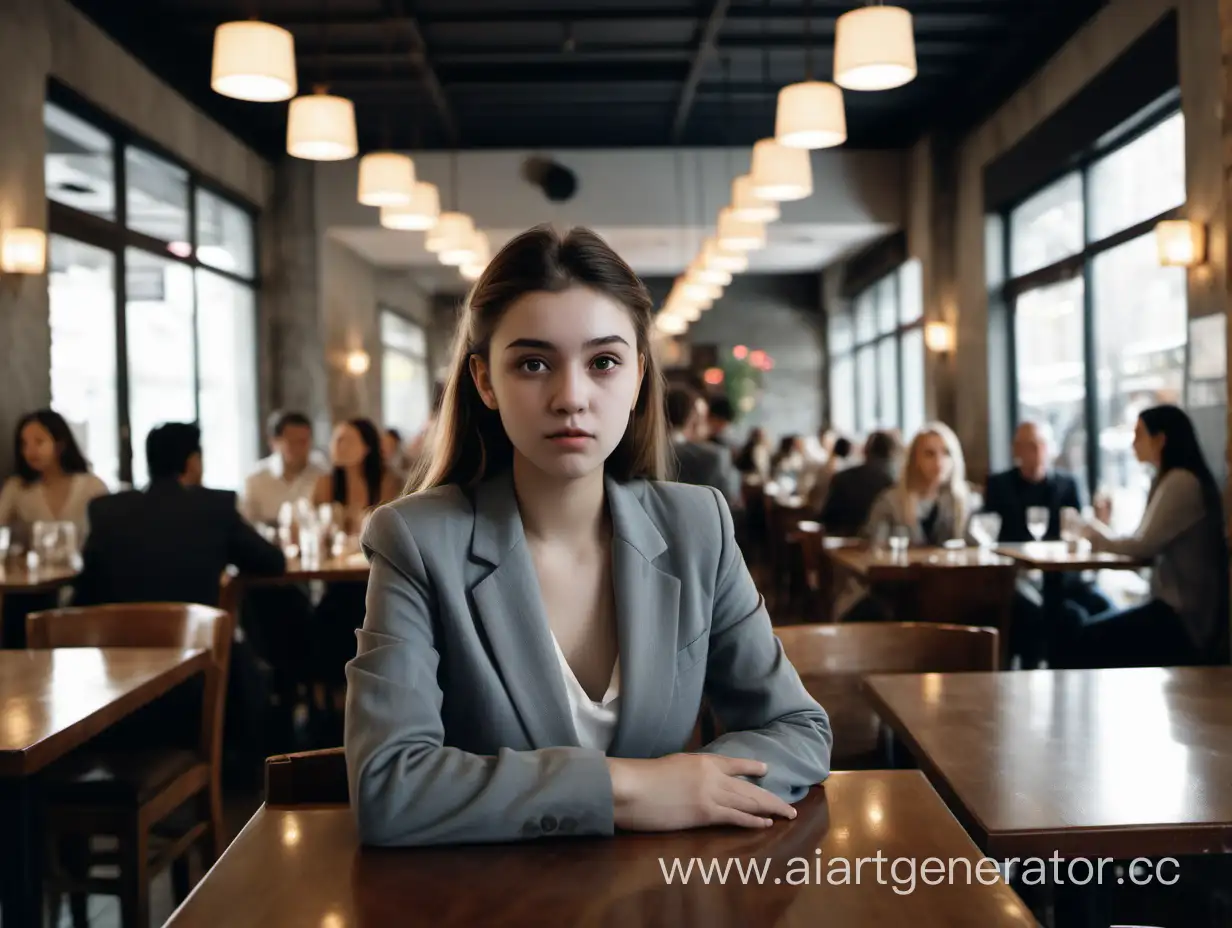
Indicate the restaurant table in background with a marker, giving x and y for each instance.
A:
(16, 579)
(1056, 559)
(349, 568)
(1113, 763)
(52, 702)
(303, 866)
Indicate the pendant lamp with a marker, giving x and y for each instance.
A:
(781, 173)
(874, 48)
(253, 61)
(321, 127)
(386, 178)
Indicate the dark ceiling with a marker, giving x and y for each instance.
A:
(593, 73)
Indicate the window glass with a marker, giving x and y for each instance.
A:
(1050, 350)
(1047, 227)
(843, 394)
(224, 234)
(81, 289)
(866, 322)
(1140, 180)
(839, 334)
(866, 388)
(887, 375)
(910, 292)
(914, 404)
(79, 166)
(1141, 329)
(886, 294)
(227, 347)
(161, 359)
(406, 390)
(156, 197)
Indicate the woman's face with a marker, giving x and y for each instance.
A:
(346, 446)
(932, 460)
(1148, 448)
(38, 448)
(564, 372)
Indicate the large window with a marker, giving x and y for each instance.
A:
(406, 389)
(1099, 328)
(153, 300)
(877, 357)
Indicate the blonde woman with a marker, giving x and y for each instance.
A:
(931, 502)
(931, 499)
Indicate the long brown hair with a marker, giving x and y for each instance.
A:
(468, 442)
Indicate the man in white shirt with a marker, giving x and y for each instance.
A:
(289, 474)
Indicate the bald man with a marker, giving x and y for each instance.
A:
(1010, 494)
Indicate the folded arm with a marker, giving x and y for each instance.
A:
(767, 713)
(407, 788)
(1176, 507)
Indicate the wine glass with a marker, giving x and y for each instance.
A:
(900, 540)
(1037, 522)
(986, 529)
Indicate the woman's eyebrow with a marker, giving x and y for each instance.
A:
(542, 345)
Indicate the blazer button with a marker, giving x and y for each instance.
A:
(568, 825)
(548, 823)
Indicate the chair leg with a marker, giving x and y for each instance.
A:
(181, 881)
(134, 878)
(216, 841)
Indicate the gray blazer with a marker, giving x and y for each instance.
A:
(457, 721)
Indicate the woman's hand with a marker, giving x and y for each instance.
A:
(691, 790)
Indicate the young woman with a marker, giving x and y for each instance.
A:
(359, 479)
(544, 615)
(1182, 534)
(53, 482)
(753, 460)
(931, 501)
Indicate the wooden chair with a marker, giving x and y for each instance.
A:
(130, 794)
(307, 778)
(832, 660)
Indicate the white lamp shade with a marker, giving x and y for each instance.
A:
(781, 173)
(715, 256)
(482, 254)
(737, 235)
(747, 205)
(810, 115)
(386, 178)
(421, 214)
(696, 292)
(23, 251)
(671, 324)
(874, 48)
(700, 272)
(321, 127)
(451, 229)
(254, 61)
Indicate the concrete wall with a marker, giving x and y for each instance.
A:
(42, 39)
(780, 315)
(1100, 42)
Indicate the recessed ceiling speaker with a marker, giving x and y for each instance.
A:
(557, 182)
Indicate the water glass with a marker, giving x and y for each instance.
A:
(986, 529)
(1037, 522)
(6, 537)
(1071, 524)
(900, 540)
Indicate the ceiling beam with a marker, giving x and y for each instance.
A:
(705, 48)
(398, 10)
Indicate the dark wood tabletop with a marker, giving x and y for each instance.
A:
(54, 701)
(15, 578)
(1058, 556)
(1090, 763)
(878, 564)
(295, 867)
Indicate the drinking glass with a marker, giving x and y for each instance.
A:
(1037, 522)
(900, 540)
(6, 537)
(1071, 524)
(45, 541)
(986, 529)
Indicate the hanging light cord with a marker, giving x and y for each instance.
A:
(808, 40)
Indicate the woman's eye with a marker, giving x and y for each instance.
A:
(533, 366)
(605, 363)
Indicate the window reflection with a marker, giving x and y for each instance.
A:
(156, 196)
(81, 291)
(406, 391)
(227, 348)
(78, 168)
(1047, 227)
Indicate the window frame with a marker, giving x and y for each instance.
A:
(1080, 264)
(114, 236)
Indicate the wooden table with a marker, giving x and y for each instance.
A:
(1056, 559)
(295, 867)
(1090, 763)
(52, 702)
(15, 578)
(349, 568)
(879, 565)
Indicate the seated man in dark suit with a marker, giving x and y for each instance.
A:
(172, 541)
(1010, 495)
(697, 460)
(851, 493)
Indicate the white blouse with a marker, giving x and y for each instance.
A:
(21, 505)
(594, 722)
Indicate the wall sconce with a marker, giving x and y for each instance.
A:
(357, 362)
(939, 337)
(1182, 242)
(23, 251)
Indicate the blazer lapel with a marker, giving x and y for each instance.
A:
(511, 609)
(647, 616)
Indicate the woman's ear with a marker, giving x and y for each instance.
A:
(483, 381)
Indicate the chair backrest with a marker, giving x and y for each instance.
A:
(832, 660)
(150, 625)
(307, 778)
